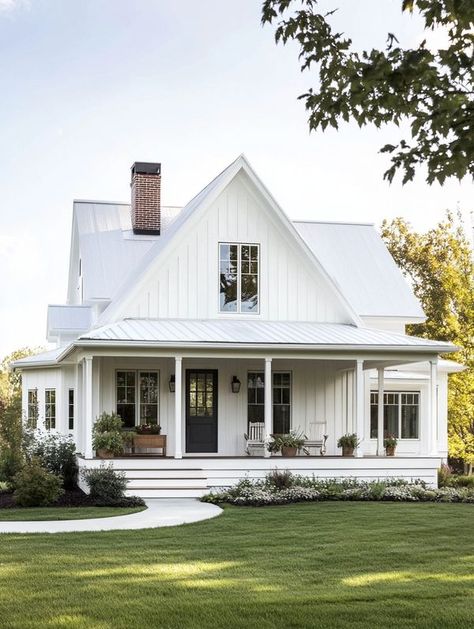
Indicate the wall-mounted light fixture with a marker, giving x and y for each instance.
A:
(235, 384)
(172, 383)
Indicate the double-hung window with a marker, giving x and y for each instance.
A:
(281, 395)
(50, 409)
(32, 416)
(70, 409)
(238, 278)
(401, 414)
(137, 397)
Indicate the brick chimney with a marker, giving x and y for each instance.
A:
(146, 198)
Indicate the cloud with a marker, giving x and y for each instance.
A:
(10, 5)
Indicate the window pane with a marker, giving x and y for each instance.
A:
(228, 292)
(391, 420)
(71, 409)
(410, 422)
(249, 293)
(373, 421)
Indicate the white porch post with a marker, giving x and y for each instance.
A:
(178, 377)
(359, 405)
(87, 413)
(433, 410)
(77, 407)
(268, 417)
(380, 435)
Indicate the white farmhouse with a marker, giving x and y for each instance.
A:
(223, 321)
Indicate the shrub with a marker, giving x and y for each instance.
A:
(462, 481)
(58, 455)
(107, 433)
(444, 475)
(35, 486)
(280, 479)
(348, 441)
(107, 487)
(11, 432)
(293, 439)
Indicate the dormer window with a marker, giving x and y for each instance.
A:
(239, 278)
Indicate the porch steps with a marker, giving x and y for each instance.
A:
(166, 483)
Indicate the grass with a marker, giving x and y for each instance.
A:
(63, 513)
(320, 565)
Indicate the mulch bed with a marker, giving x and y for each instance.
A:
(70, 498)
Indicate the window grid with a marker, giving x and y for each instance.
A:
(281, 399)
(32, 417)
(239, 284)
(50, 409)
(401, 414)
(137, 396)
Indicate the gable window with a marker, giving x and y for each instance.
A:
(50, 409)
(401, 414)
(70, 409)
(238, 277)
(281, 395)
(137, 397)
(32, 416)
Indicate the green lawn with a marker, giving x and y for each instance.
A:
(321, 565)
(64, 513)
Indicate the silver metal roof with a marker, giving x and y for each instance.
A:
(192, 332)
(37, 360)
(357, 259)
(64, 319)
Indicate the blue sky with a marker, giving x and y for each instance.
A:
(87, 88)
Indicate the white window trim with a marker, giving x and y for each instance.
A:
(400, 392)
(244, 313)
(54, 404)
(137, 392)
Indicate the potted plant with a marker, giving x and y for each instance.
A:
(107, 438)
(390, 444)
(149, 436)
(288, 444)
(348, 443)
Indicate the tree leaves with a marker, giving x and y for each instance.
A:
(434, 91)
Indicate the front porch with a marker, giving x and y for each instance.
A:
(204, 416)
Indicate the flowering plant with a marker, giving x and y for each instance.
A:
(148, 429)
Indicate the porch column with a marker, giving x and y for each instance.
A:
(380, 435)
(77, 407)
(359, 405)
(433, 409)
(87, 411)
(268, 417)
(178, 377)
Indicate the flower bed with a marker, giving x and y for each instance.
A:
(282, 487)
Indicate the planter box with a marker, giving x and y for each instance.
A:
(149, 441)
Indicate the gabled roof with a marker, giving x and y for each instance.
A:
(202, 201)
(356, 257)
(252, 333)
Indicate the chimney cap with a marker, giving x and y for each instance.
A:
(146, 168)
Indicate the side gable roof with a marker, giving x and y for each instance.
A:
(200, 202)
(356, 257)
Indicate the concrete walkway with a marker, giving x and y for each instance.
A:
(160, 512)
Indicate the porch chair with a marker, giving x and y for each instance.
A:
(254, 439)
(317, 438)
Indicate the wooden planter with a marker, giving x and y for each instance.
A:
(347, 451)
(288, 451)
(149, 441)
(102, 453)
(390, 450)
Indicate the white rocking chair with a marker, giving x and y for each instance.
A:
(254, 439)
(317, 438)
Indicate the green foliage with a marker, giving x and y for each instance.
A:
(348, 441)
(35, 486)
(58, 455)
(390, 441)
(11, 439)
(293, 439)
(439, 266)
(432, 90)
(10, 381)
(148, 429)
(107, 487)
(281, 479)
(107, 433)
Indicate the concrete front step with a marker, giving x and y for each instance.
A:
(168, 492)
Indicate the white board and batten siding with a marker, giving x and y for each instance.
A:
(184, 281)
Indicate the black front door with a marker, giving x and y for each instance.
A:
(201, 410)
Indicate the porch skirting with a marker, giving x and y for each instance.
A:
(194, 476)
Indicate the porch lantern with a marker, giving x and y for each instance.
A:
(172, 383)
(235, 384)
